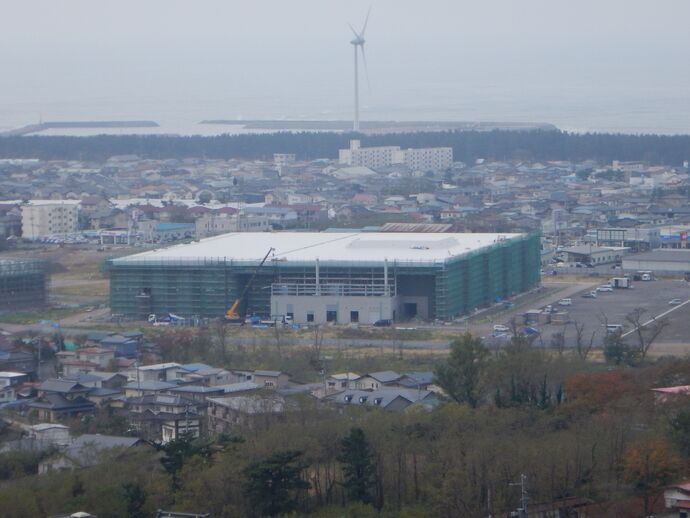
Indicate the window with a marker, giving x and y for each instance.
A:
(310, 316)
(354, 316)
(331, 316)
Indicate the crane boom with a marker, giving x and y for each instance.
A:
(231, 314)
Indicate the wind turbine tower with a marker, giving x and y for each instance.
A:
(358, 45)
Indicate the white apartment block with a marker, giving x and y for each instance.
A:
(425, 159)
(212, 225)
(419, 159)
(372, 157)
(47, 217)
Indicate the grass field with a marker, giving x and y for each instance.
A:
(32, 317)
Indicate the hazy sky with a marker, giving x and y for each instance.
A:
(256, 58)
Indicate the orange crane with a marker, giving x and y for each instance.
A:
(231, 315)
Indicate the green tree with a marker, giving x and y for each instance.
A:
(680, 431)
(618, 352)
(460, 374)
(272, 483)
(358, 468)
(135, 498)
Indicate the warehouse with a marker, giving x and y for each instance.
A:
(662, 261)
(325, 277)
(23, 283)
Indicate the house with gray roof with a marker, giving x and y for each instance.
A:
(86, 451)
(388, 398)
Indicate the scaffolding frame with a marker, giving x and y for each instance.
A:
(206, 287)
(23, 282)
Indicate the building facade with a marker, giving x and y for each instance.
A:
(48, 217)
(322, 277)
(23, 282)
(418, 159)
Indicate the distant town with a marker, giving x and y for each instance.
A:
(166, 324)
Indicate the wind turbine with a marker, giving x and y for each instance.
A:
(358, 42)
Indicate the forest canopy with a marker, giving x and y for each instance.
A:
(467, 146)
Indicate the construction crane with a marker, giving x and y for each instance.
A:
(231, 315)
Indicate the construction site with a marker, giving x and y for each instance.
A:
(23, 282)
(353, 277)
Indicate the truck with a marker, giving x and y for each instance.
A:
(644, 275)
(620, 282)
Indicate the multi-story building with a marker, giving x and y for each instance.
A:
(425, 159)
(212, 224)
(47, 217)
(373, 157)
(417, 159)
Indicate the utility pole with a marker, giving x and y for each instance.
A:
(524, 497)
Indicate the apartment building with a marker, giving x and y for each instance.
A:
(417, 159)
(48, 217)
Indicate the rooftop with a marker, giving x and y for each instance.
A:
(665, 255)
(309, 246)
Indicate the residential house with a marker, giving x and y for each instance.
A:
(376, 380)
(101, 356)
(86, 451)
(16, 360)
(254, 412)
(389, 398)
(341, 381)
(143, 388)
(210, 376)
(169, 372)
(271, 379)
(54, 406)
(677, 499)
(161, 417)
(50, 433)
(73, 368)
(124, 344)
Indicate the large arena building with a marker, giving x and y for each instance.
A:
(327, 277)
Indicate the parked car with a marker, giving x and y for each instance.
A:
(590, 295)
(500, 328)
(613, 329)
(675, 302)
(565, 302)
(604, 288)
(384, 322)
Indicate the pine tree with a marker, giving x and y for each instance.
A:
(358, 468)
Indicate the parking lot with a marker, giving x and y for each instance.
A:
(653, 296)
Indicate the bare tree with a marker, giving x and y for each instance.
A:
(645, 332)
(581, 346)
(278, 336)
(558, 342)
(316, 346)
(220, 331)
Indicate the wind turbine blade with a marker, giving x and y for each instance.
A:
(366, 69)
(353, 30)
(366, 21)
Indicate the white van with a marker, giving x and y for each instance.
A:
(565, 302)
(612, 329)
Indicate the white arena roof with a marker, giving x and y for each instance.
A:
(327, 247)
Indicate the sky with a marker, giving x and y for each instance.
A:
(459, 59)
